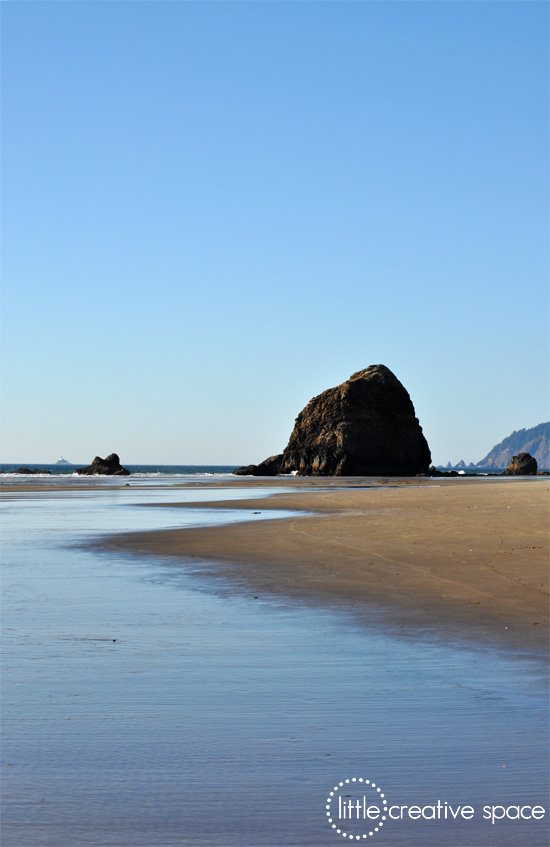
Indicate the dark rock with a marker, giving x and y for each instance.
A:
(29, 471)
(269, 467)
(521, 465)
(433, 471)
(110, 466)
(246, 470)
(364, 427)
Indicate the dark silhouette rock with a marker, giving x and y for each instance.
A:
(433, 471)
(269, 467)
(366, 426)
(110, 466)
(521, 465)
(246, 470)
(29, 471)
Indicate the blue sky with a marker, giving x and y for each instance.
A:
(214, 211)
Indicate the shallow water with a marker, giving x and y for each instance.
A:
(144, 708)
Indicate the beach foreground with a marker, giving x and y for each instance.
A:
(467, 558)
(213, 698)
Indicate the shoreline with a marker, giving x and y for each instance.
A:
(463, 559)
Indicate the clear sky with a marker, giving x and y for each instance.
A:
(214, 211)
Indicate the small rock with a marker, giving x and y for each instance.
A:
(521, 465)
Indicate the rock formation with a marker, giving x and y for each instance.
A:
(269, 467)
(33, 471)
(433, 471)
(522, 465)
(366, 426)
(110, 466)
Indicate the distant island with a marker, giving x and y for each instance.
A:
(62, 461)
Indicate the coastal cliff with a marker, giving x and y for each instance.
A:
(535, 441)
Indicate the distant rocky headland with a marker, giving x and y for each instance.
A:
(523, 464)
(366, 426)
(535, 441)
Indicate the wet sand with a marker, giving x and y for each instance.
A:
(137, 687)
(464, 558)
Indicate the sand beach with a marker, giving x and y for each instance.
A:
(461, 557)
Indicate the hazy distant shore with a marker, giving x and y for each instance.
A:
(466, 558)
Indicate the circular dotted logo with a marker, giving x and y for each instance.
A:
(356, 808)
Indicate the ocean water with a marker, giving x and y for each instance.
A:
(184, 473)
(140, 471)
(147, 706)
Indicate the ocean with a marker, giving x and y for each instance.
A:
(147, 471)
(188, 473)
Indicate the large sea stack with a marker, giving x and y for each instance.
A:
(364, 427)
